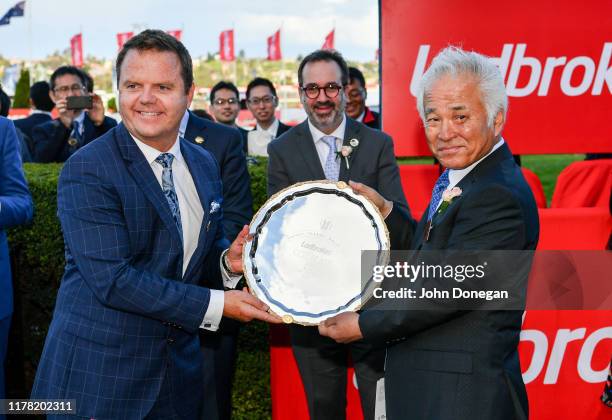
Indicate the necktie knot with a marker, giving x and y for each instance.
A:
(330, 141)
(165, 160)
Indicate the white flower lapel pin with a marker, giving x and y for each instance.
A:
(447, 197)
(214, 207)
(346, 151)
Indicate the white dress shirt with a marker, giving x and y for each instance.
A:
(192, 215)
(259, 139)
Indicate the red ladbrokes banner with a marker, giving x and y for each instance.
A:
(555, 57)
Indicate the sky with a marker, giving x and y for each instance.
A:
(48, 25)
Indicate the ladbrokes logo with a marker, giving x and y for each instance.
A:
(579, 75)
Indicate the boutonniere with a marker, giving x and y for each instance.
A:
(346, 150)
(214, 207)
(447, 198)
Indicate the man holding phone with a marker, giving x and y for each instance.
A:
(81, 118)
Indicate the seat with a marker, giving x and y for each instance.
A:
(418, 182)
(586, 228)
(536, 187)
(584, 184)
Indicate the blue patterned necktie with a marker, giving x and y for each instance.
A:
(165, 160)
(332, 166)
(441, 185)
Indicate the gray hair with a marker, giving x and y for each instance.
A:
(454, 61)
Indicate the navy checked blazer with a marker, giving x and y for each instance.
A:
(126, 318)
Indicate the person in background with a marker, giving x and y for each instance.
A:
(23, 139)
(225, 106)
(15, 209)
(41, 105)
(57, 140)
(356, 95)
(262, 102)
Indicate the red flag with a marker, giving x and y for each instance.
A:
(123, 37)
(274, 48)
(176, 33)
(226, 45)
(329, 41)
(76, 48)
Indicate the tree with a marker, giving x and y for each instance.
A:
(22, 90)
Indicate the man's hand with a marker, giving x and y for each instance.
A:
(96, 113)
(234, 253)
(241, 305)
(384, 206)
(343, 328)
(66, 116)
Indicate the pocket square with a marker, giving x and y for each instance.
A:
(214, 207)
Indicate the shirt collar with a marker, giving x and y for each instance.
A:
(80, 118)
(456, 175)
(272, 130)
(360, 117)
(184, 121)
(150, 153)
(337, 133)
(38, 111)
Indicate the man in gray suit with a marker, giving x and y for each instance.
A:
(313, 151)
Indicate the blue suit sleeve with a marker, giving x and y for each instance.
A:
(15, 200)
(97, 240)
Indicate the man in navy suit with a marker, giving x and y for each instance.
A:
(219, 347)
(41, 104)
(445, 363)
(55, 141)
(141, 212)
(15, 209)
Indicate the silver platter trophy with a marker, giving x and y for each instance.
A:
(304, 260)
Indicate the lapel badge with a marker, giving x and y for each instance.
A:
(214, 207)
(199, 139)
(354, 142)
(72, 141)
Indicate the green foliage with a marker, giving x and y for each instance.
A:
(111, 105)
(22, 90)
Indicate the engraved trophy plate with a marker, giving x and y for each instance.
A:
(304, 260)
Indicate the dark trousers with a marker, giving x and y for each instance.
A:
(5, 324)
(323, 365)
(219, 363)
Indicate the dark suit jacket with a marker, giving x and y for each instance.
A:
(15, 206)
(28, 123)
(245, 140)
(293, 158)
(446, 364)
(371, 118)
(225, 144)
(126, 318)
(282, 129)
(51, 138)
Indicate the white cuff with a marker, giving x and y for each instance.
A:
(229, 280)
(213, 314)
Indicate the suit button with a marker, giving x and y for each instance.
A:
(170, 340)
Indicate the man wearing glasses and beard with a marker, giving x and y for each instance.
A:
(313, 150)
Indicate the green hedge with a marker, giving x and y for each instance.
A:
(37, 252)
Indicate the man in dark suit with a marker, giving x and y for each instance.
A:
(41, 104)
(444, 363)
(225, 106)
(262, 101)
(141, 213)
(55, 141)
(309, 152)
(15, 209)
(219, 347)
(356, 95)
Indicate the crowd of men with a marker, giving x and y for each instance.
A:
(153, 212)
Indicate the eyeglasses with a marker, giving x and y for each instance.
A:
(356, 94)
(65, 89)
(312, 90)
(268, 99)
(221, 101)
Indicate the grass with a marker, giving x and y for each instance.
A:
(546, 167)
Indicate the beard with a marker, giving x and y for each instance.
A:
(325, 120)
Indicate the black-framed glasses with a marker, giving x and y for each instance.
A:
(312, 90)
(268, 99)
(221, 101)
(65, 89)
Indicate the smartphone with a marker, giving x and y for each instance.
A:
(79, 102)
